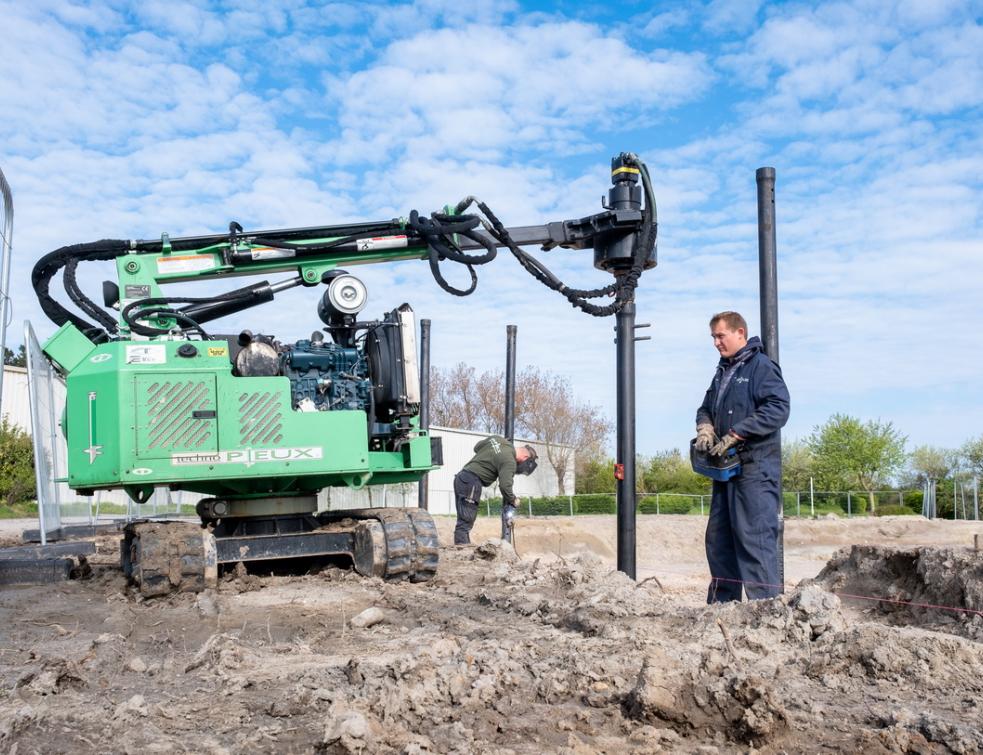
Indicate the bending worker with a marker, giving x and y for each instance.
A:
(494, 459)
(745, 406)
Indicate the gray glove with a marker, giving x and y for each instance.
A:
(705, 437)
(721, 448)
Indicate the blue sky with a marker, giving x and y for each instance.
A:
(123, 120)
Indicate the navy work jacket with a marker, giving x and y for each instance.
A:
(754, 404)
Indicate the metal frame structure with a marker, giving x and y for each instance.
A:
(6, 244)
(44, 435)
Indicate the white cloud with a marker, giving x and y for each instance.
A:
(462, 91)
(292, 115)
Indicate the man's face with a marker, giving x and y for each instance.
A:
(728, 342)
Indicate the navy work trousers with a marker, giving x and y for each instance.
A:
(742, 538)
(467, 492)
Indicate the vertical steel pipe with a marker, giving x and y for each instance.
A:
(625, 469)
(768, 298)
(423, 492)
(509, 429)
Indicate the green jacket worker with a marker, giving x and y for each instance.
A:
(494, 458)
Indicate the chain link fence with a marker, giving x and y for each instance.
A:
(845, 503)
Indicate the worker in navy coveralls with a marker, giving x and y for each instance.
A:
(745, 406)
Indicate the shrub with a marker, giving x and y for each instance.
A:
(858, 503)
(676, 504)
(16, 464)
(594, 504)
(895, 510)
(546, 506)
(913, 499)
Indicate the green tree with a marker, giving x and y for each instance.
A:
(932, 463)
(595, 474)
(972, 454)
(15, 360)
(861, 453)
(670, 472)
(16, 464)
(797, 465)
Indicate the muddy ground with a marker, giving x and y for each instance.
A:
(550, 651)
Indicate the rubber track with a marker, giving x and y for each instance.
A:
(164, 557)
(412, 545)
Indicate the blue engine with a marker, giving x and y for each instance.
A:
(325, 376)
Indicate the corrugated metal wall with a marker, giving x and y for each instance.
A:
(458, 449)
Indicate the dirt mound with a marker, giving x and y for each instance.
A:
(941, 588)
(498, 654)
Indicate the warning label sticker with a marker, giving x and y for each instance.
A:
(381, 242)
(185, 263)
(149, 354)
(218, 351)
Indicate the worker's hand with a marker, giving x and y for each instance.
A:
(705, 437)
(516, 501)
(720, 449)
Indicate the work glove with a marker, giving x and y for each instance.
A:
(705, 437)
(720, 449)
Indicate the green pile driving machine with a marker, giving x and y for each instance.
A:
(261, 426)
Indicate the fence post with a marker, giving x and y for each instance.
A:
(488, 507)
(812, 499)
(798, 503)
(849, 508)
(657, 504)
(701, 505)
(570, 498)
(529, 505)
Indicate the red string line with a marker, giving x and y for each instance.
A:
(896, 601)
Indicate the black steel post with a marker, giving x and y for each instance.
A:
(423, 492)
(625, 462)
(768, 261)
(509, 430)
(768, 296)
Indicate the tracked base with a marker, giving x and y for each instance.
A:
(165, 557)
(394, 544)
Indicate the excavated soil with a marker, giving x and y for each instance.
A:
(547, 651)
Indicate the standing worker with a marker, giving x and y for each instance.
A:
(745, 406)
(495, 458)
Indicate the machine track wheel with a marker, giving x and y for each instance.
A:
(165, 557)
(396, 544)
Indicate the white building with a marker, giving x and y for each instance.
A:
(458, 448)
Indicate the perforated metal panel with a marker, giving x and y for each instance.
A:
(175, 415)
(260, 419)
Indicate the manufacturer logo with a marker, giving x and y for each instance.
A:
(101, 358)
(141, 471)
(248, 456)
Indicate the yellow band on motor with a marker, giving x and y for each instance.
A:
(616, 171)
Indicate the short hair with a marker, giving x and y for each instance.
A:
(732, 320)
(531, 451)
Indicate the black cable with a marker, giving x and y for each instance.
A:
(623, 289)
(81, 300)
(46, 268)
